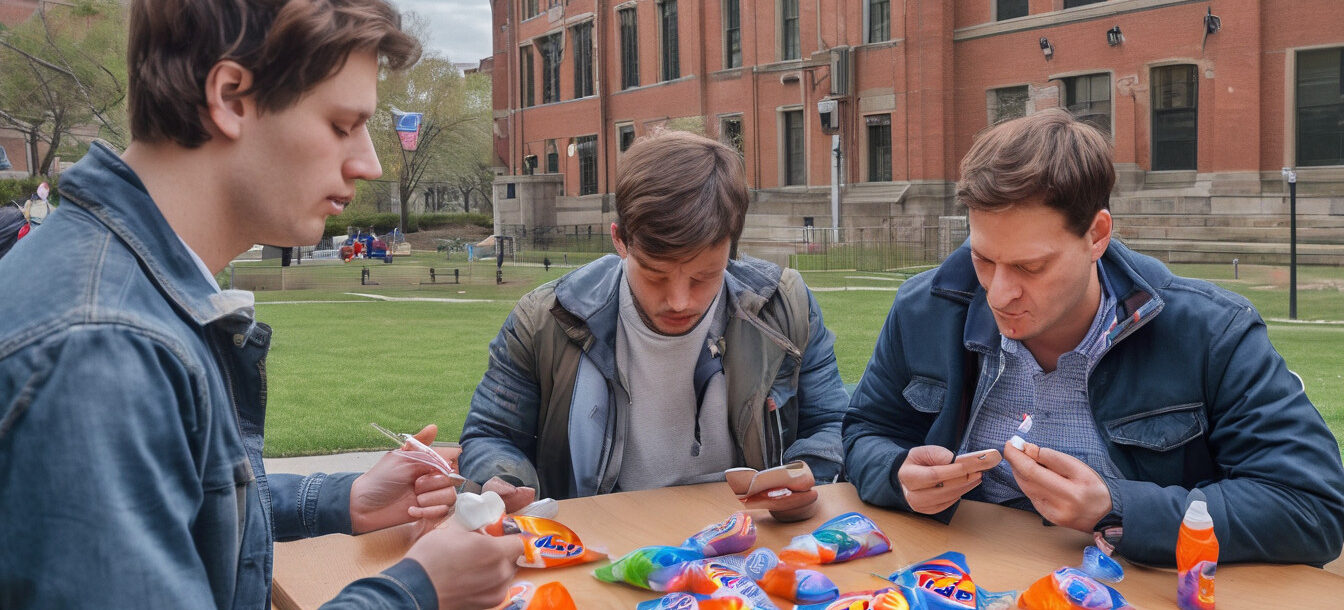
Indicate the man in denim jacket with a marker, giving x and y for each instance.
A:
(132, 391)
(664, 365)
(1141, 385)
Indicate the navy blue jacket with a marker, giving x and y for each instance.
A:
(1190, 394)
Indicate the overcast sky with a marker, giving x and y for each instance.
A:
(458, 29)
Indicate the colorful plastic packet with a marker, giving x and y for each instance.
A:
(657, 568)
(735, 534)
(546, 543)
(788, 580)
(411, 448)
(726, 576)
(890, 598)
(523, 595)
(1078, 588)
(848, 536)
(944, 583)
(694, 601)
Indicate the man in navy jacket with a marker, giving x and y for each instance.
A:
(1141, 385)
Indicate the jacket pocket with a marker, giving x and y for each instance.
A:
(925, 394)
(1162, 429)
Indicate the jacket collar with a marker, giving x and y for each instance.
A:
(1130, 275)
(587, 303)
(104, 186)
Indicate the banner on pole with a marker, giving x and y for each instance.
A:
(408, 129)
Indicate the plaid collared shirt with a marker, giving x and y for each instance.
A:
(1057, 402)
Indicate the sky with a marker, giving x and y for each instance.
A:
(458, 29)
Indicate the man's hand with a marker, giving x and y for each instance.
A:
(515, 498)
(398, 490)
(468, 569)
(1064, 490)
(796, 506)
(930, 480)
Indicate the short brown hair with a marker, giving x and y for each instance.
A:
(1049, 155)
(289, 46)
(678, 193)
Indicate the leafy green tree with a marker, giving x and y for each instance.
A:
(63, 76)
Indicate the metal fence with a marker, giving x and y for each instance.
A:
(806, 249)
(866, 248)
(352, 276)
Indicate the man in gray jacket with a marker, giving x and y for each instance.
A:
(664, 365)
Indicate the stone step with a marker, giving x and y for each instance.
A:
(1266, 253)
(1232, 234)
(1227, 220)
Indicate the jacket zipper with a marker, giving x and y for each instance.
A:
(975, 410)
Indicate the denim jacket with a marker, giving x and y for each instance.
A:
(132, 404)
(550, 410)
(1190, 394)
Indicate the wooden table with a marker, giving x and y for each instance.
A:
(1006, 549)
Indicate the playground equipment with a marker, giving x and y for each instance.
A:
(364, 245)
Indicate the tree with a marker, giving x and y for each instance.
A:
(455, 133)
(64, 71)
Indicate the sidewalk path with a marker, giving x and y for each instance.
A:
(338, 462)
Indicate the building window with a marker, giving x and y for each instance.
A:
(587, 146)
(1073, 3)
(629, 49)
(549, 47)
(625, 136)
(879, 147)
(667, 19)
(730, 133)
(1320, 107)
(552, 158)
(879, 20)
(531, 9)
(1175, 124)
(795, 150)
(788, 29)
(583, 59)
(1007, 103)
(527, 73)
(732, 34)
(1088, 97)
(1009, 9)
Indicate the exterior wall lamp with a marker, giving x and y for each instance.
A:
(1047, 49)
(1114, 37)
(1212, 23)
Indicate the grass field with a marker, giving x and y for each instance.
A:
(336, 366)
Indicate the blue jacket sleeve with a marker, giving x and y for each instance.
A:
(500, 430)
(308, 506)
(99, 464)
(1281, 498)
(880, 426)
(404, 585)
(821, 402)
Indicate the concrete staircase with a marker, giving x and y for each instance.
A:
(1207, 230)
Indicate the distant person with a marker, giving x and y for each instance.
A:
(666, 363)
(1141, 385)
(133, 391)
(546, 262)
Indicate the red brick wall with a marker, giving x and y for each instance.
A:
(937, 72)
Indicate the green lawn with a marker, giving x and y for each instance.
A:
(334, 367)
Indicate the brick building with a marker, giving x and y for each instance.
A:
(1205, 102)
